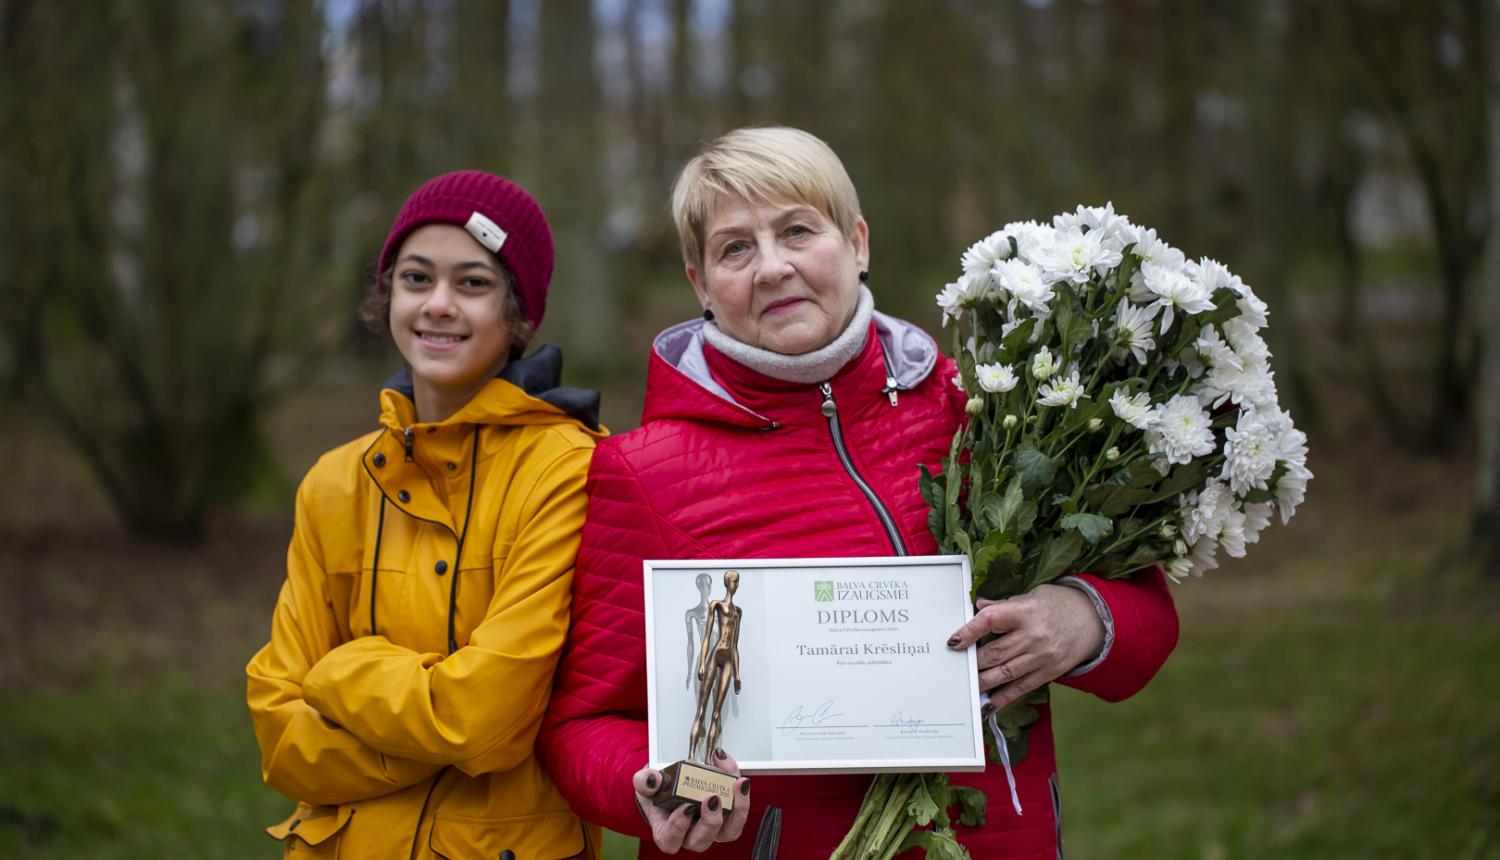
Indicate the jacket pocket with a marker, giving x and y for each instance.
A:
(546, 836)
(309, 831)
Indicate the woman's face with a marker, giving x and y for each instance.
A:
(780, 276)
(448, 316)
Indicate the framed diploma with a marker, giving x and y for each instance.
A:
(828, 665)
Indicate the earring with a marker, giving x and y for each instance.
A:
(864, 276)
(708, 315)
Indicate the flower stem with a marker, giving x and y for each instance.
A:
(878, 791)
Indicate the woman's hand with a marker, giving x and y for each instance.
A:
(1044, 634)
(695, 828)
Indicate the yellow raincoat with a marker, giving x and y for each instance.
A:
(413, 643)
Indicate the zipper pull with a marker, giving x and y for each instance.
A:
(890, 389)
(409, 443)
(829, 409)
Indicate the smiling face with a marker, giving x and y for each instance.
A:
(779, 276)
(448, 317)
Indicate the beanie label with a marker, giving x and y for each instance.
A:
(487, 232)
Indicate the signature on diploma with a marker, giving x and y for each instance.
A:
(901, 719)
(800, 718)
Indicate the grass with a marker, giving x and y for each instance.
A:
(1332, 697)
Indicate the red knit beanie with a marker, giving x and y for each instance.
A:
(499, 214)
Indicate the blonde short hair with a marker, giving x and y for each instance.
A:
(762, 165)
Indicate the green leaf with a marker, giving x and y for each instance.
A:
(936, 844)
(1129, 265)
(1073, 327)
(1057, 553)
(1025, 519)
(1091, 526)
(961, 538)
(1018, 336)
(1112, 500)
(935, 524)
(1255, 497)
(1035, 469)
(931, 487)
(996, 557)
(1226, 307)
(998, 510)
(921, 806)
(1143, 474)
(999, 586)
(1179, 480)
(974, 805)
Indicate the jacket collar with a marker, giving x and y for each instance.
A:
(687, 379)
(525, 391)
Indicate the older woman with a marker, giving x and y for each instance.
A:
(791, 421)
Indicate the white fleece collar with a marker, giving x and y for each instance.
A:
(820, 365)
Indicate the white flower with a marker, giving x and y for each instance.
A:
(1151, 249)
(1043, 365)
(1246, 340)
(1232, 532)
(1290, 490)
(1173, 291)
(1208, 272)
(1028, 235)
(1249, 383)
(1178, 569)
(1023, 283)
(1180, 430)
(1076, 256)
(1133, 331)
(1134, 410)
(1253, 311)
(1212, 348)
(996, 378)
(948, 299)
(1115, 231)
(984, 254)
(981, 350)
(1250, 452)
(1201, 554)
(1257, 517)
(958, 382)
(1204, 512)
(1065, 391)
(967, 292)
(974, 406)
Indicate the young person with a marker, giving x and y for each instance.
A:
(428, 580)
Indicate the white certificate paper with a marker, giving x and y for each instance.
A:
(844, 663)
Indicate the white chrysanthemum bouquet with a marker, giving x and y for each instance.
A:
(1122, 414)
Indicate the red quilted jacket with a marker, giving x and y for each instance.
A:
(729, 463)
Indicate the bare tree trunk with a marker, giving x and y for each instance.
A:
(569, 109)
(1485, 529)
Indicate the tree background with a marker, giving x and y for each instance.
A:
(192, 194)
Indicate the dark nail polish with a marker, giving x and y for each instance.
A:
(989, 708)
(651, 781)
(745, 787)
(694, 811)
(713, 803)
(953, 643)
(719, 753)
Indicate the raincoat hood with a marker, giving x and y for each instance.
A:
(527, 391)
